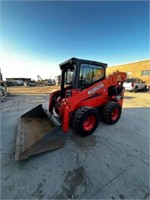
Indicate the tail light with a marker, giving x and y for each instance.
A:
(132, 84)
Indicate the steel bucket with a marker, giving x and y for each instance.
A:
(38, 131)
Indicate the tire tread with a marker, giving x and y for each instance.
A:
(106, 111)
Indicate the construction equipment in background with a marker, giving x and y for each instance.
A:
(50, 82)
(40, 80)
(47, 82)
(86, 95)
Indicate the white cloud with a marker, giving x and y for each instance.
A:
(20, 66)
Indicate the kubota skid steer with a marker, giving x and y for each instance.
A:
(85, 96)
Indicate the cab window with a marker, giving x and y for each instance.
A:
(90, 74)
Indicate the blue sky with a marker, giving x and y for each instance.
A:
(37, 36)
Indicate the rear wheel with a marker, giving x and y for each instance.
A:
(145, 88)
(111, 112)
(135, 89)
(85, 120)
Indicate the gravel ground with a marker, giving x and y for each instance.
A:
(113, 163)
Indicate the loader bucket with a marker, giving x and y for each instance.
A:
(38, 132)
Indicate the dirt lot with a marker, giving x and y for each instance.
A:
(113, 163)
(31, 90)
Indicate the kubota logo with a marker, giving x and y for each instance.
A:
(95, 88)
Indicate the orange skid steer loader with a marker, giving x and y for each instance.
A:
(85, 96)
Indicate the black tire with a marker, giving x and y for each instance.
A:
(81, 117)
(135, 89)
(111, 112)
(145, 88)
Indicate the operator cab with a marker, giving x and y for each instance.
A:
(80, 74)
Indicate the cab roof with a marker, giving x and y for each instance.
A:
(76, 61)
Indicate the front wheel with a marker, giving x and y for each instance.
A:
(111, 112)
(85, 120)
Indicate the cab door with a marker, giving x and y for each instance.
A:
(140, 84)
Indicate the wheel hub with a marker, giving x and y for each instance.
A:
(89, 122)
(115, 114)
